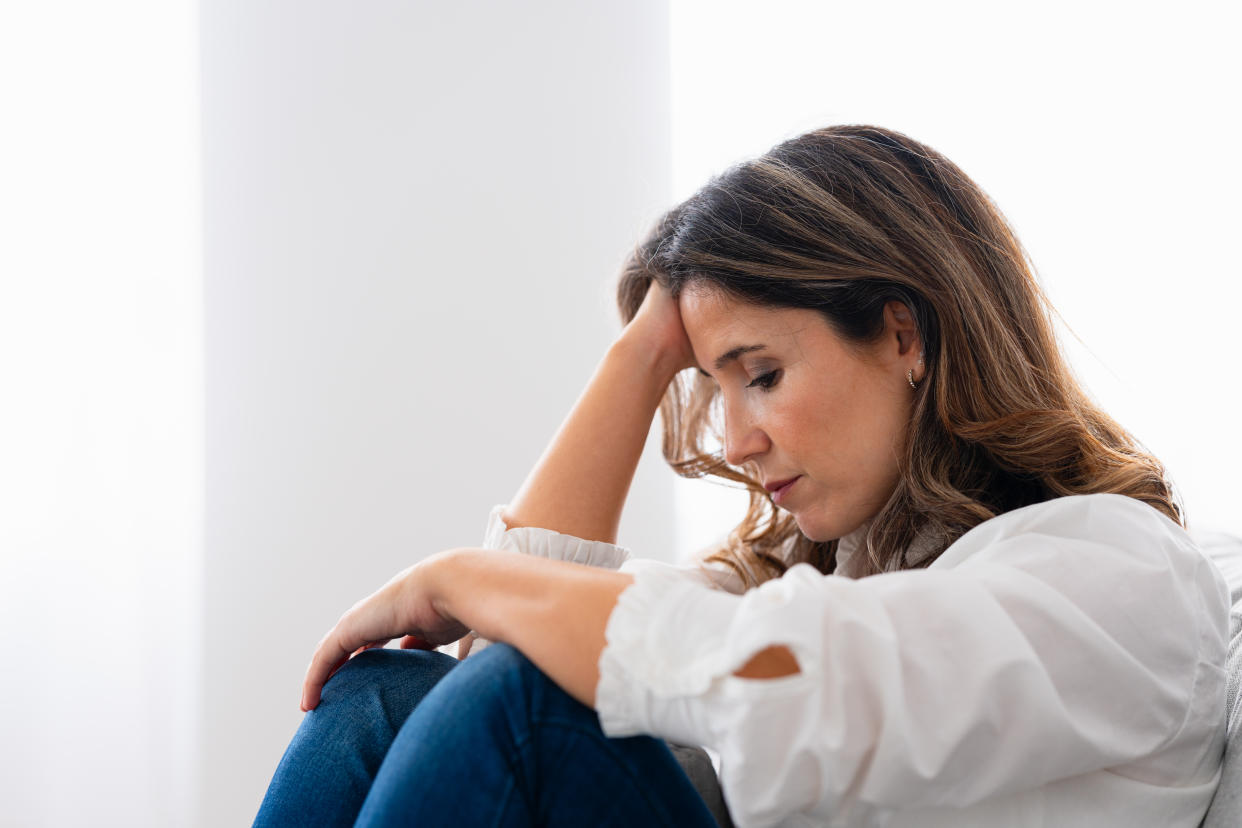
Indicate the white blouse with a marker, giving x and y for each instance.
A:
(1061, 664)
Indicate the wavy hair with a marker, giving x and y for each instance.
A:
(842, 220)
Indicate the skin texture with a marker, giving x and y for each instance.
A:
(829, 414)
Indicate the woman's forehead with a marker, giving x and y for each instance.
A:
(711, 315)
(723, 329)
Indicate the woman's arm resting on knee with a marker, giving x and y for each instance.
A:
(579, 485)
(555, 612)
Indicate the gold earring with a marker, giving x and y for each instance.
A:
(910, 379)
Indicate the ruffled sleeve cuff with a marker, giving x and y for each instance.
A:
(544, 543)
(651, 670)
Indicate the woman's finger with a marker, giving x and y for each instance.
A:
(328, 658)
(401, 605)
(337, 665)
(413, 642)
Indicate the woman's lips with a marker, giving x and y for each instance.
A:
(780, 490)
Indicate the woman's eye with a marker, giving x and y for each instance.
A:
(765, 381)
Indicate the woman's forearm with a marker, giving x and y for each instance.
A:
(554, 612)
(579, 485)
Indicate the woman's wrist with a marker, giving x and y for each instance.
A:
(554, 612)
(659, 363)
(465, 586)
(449, 570)
(657, 333)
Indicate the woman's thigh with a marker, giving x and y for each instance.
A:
(497, 743)
(328, 768)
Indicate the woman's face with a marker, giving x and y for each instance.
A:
(820, 424)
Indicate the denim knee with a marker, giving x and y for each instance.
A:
(501, 656)
(505, 669)
(528, 753)
(397, 679)
(339, 747)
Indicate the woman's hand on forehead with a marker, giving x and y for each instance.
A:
(659, 327)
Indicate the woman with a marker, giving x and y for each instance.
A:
(962, 594)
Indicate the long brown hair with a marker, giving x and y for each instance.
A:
(843, 220)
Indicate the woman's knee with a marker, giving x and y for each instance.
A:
(393, 674)
(504, 665)
(501, 678)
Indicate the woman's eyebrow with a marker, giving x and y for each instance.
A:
(732, 354)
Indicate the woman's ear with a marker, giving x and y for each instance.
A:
(899, 322)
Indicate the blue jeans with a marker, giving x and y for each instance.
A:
(407, 737)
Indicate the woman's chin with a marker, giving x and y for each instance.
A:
(814, 530)
(821, 528)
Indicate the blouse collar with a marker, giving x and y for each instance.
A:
(850, 548)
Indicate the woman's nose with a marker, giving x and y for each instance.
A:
(743, 440)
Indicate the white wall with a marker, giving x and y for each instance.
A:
(414, 214)
(100, 411)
